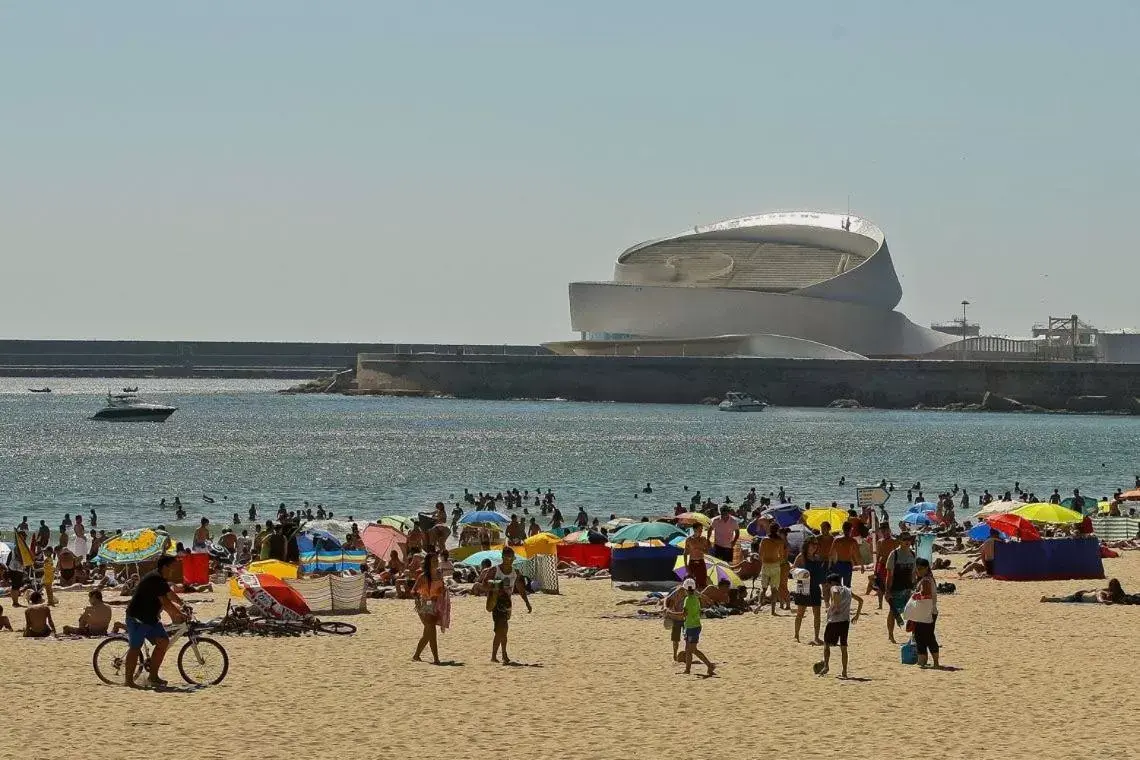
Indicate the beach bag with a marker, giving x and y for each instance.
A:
(908, 653)
(920, 609)
(492, 598)
(425, 606)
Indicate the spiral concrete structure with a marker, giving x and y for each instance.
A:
(790, 284)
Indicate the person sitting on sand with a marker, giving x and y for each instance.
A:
(95, 620)
(1114, 594)
(5, 623)
(718, 595)
(37, 618)
(985, 562)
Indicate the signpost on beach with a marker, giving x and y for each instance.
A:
(872, 496)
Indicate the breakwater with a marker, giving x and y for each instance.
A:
(887, 384)
(137, 358)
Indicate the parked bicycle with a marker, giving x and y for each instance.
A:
(201, 660)
(240, 620)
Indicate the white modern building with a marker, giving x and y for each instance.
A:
(791, 284)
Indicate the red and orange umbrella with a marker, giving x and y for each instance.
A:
(1014, 526)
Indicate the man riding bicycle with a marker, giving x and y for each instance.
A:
(151, 597)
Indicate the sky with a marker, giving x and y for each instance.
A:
(440, 171)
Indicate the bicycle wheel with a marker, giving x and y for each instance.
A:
(203, 662)
(110, 660)
(336, 628)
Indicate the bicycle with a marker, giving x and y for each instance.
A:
(251, 620)
(201, 660)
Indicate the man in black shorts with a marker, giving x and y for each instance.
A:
(839, 620)
(152, 596)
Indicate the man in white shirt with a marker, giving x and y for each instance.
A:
(839, 620)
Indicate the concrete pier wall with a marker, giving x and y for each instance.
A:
(786, 382)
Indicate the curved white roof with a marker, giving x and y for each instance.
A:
(821, 255)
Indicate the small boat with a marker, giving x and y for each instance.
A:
(128, 408)
(740, 402)
(45, 389)
(131, 390)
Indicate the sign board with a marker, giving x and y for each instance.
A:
(871, 496)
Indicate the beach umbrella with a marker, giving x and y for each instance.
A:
(716, 570)
(273, 596)
(484, 517)
(922, 507)
(693, 518)
(785, 515)
(1133, 495)
(133, 546)
(618, 522)
(1053, 514)
(981, 532)
(678, 541)
(797, 534)
(274, 567)
(339, 528)
(817, 516)
(1014, 526)
(476, 559)
(542, 543)
(916, 518)
(644, 531)
(382, 540)
(402, 524)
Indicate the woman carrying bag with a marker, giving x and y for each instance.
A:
(921, 613)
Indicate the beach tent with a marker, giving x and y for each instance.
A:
(1115, 528)
(585, 554)
(320, 551)
(644, 563)
(331, 593)
(1056, 559)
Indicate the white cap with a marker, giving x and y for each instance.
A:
(689, 583)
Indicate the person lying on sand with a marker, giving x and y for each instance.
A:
(37, 618)
(95, 619)
(1114, 594)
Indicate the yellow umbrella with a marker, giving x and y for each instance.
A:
(716, 570)
(817, 516)
(1048, 513)
(688, 518)
(274, 567)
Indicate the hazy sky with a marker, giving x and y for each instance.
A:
(399, 171)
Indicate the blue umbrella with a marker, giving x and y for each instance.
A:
(981, 532)
(476, 559)
(483, 516)
(915, 518)
(923, 507)
(785, 515)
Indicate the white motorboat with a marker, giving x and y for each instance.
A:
(127, 407)
(740, 402)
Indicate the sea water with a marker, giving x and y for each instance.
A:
(239, 442)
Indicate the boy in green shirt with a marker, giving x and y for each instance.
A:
(692, 622)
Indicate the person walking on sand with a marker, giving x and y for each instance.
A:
(674, 608)
(808, 574)
(845, 554)
(724, 530)
(505, 581)
(900, 581)
(773, 554)
(432, 605)
(924, 614)
(839, 620)
(692, 624)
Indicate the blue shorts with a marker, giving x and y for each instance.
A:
(844, 570)
(137, 631)
(692, 635)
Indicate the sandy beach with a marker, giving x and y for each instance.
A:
(605, 688)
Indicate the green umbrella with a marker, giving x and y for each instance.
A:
(646, 531)
(402, 524)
